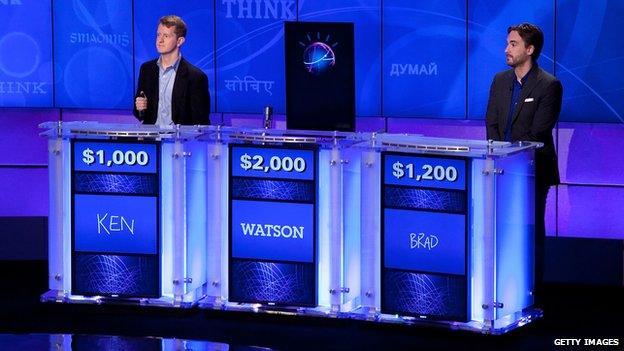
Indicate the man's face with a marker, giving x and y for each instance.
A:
(516, 52)
(166, 40)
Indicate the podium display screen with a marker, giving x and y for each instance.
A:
(272, 229)
(424, 236)
(115, 218)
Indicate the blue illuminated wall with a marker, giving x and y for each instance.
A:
(93, 53)
(26, 54)
(250, 54)
(432, 59)
(424, 55)
(590, 56)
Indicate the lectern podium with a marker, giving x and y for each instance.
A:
(382, 227)
(127, 217)
(447, 232)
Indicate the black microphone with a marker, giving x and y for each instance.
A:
(142, 112)
(268, 117)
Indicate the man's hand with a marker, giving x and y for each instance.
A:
(141, 102)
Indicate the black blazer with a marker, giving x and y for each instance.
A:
(190, 100)
(534, 117)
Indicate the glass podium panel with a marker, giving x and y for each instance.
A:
(285, 231)
(515, 224)
(118, 230)
(485, 264)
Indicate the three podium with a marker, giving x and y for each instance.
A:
(385, 227)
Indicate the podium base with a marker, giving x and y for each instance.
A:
(496, 327)
(57, 296)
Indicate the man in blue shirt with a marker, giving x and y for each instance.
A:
(524, 105)
(170, 89)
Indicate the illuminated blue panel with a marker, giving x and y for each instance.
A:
(25, 54)
(515, 214)
(198, 48)
(432, 295)
(425, 199)
(250, 54)
(488, 21)
(590, 57)
(272, 163)
(282, 283)
(591, 153)
(24, 192)
(272, 231)
(366, 15)
(425, 241)
(93, 53)
(245, 188)
(424, 69)
(25, 145)
(142, 184)
(590, 212)
(443, 173)
(115, 274)
(115, 157)
(281, 229)
(115, 224)
(113, 342)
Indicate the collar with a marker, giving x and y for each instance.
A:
(526, 76)
(174, 66)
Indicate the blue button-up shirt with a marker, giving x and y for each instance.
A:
(166, 78)
(517, 89)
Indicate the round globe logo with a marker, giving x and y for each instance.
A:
(318, 57)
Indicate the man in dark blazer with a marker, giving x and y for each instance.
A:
(170, 89)
(524, 105)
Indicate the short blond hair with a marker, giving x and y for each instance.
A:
(174, 21)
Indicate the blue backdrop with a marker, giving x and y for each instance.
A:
(590, 57)
(26, 55)
(93, 53)
(429, 58)
(424, 49)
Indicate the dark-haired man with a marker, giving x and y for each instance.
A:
(524, 105)
(170, 89)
